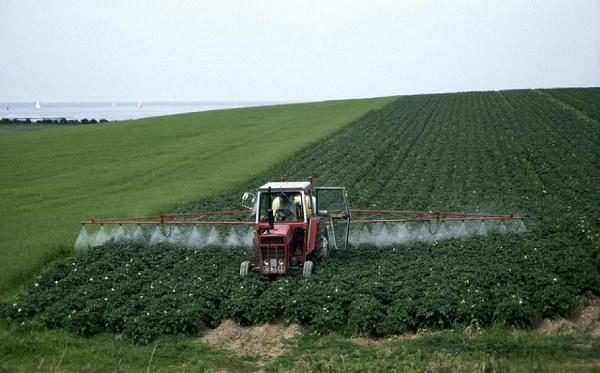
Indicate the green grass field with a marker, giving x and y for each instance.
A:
(52, 178)
(490, 350)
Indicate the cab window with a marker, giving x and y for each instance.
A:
(287, 206)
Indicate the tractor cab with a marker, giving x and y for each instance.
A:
(294, 226)
(288, 201)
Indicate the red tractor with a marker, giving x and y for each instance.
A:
(296, 225)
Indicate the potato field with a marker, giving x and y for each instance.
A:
(532, 152)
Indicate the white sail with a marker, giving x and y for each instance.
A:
(37, 105)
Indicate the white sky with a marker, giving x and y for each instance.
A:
(91, 50)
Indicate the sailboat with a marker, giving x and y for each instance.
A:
(140, 104)
(37, 105)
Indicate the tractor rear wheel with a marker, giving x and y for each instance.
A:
(307, 269)
(244, 268)
(323, 247)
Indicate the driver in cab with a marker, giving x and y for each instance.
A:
(286, 207)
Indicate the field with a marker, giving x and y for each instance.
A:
(52, 178)
(531, 152)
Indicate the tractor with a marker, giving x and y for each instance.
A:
(295, 226)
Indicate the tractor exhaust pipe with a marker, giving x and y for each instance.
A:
(270, 210)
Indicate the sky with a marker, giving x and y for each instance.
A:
(276, 50)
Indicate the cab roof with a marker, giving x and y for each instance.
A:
(285, 185)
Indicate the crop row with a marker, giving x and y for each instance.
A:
(367, 291)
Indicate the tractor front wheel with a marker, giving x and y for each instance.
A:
(244, 268)
(307, 269)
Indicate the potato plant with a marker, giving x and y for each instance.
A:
(366, 291)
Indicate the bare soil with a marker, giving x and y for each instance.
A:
(265, 342)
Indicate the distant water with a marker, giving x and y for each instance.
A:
(113, 111)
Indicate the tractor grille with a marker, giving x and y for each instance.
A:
(272, 251)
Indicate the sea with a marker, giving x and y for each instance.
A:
(112, 111)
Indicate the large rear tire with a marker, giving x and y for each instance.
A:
(307, 269)
(244, 268)
(323, 248)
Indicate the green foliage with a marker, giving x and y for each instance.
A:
(365, 316)
(400, 317)
(556, 300)
(242, 302)
(27, 349)
(271, 303)
(514, 312)
(449, 351)
(148, 292)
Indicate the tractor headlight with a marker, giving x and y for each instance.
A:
(280, 262)
(265, 262)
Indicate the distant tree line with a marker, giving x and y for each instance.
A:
(60, 121)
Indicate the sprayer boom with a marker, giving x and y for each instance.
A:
(293, 225)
